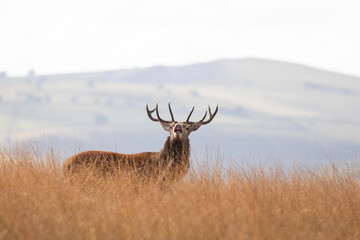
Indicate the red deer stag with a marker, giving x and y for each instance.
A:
(174, 156)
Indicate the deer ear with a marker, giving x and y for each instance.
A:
(195, 126)
(166, 126)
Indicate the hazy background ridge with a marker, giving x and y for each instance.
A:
(268, 108)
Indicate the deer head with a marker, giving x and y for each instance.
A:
(179, 131)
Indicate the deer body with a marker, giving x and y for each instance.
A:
(108, 161)
(173, 157)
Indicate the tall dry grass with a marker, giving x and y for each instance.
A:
(38, 202)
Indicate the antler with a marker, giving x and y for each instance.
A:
(172, 116)
(149, 112)
(212, 115)
(188, 118)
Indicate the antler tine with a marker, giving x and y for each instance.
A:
(212, 115)
(204, 116)
(172, 116)
(200, 120)
(150, 112)
(188, 118)
(158, 116)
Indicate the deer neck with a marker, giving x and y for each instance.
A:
(177, 152)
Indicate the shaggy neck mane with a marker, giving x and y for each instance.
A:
(177, 152)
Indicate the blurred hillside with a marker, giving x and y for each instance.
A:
(267, 108)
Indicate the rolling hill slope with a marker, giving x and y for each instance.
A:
(271, 108)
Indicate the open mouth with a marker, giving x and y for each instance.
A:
(178, 129)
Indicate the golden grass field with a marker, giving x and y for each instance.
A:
(264, 202)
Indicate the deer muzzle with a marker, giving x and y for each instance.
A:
(178, 132)
(178, 128)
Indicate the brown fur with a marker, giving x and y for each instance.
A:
(174, 157)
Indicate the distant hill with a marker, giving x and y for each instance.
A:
(274, 108)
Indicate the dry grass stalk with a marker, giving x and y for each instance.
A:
(38, 202)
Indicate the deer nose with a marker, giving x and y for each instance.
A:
(178, 128)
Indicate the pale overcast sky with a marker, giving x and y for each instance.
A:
(93, 35)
